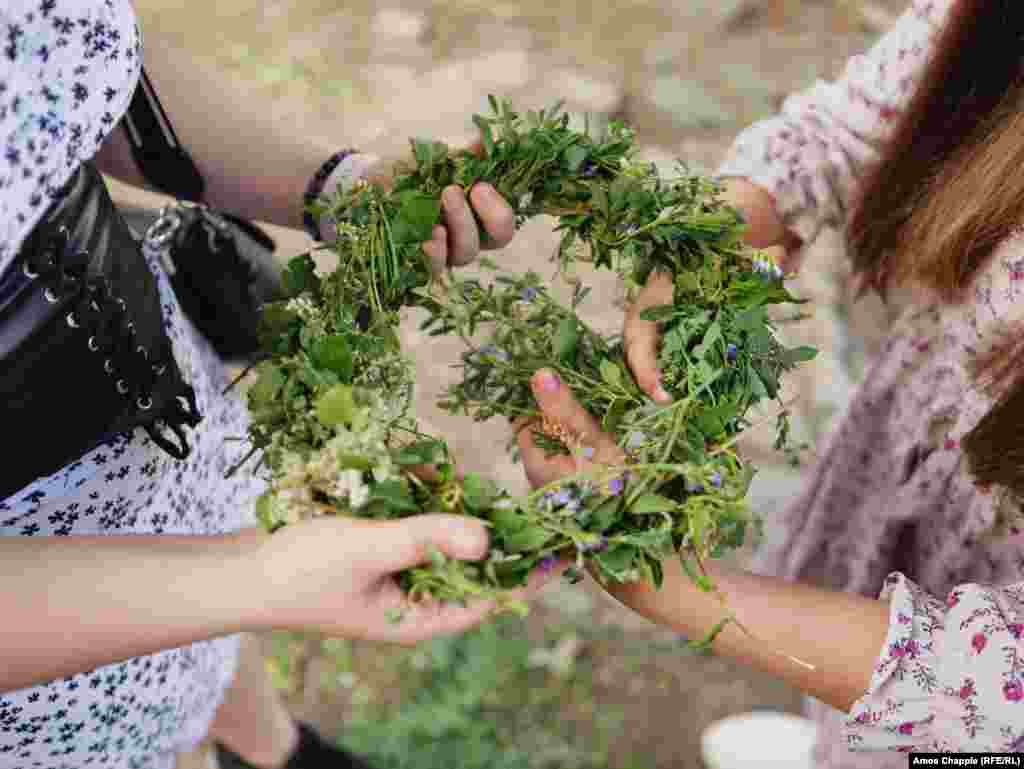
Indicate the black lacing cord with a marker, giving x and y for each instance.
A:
(131, 366)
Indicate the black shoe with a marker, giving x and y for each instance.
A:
(311, 752)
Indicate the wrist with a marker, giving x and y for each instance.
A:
(240, 577)
(339, 172)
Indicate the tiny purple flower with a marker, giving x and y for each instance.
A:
(730, 352)
(597, 547)
(694, 488)
(589, 168)
(716, 480)
(587, 452)
(616, 485)
(528, 294)
(563, 497)
(547, 563)
(495, 352)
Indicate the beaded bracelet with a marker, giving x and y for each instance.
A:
(315, 188)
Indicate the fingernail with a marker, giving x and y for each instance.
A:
(452, 200)
(472, 542)
(547, 381)
(661, 395)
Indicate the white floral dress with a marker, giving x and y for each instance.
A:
(891, 509)
(67, 72)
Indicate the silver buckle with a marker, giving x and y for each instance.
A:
(159, 235)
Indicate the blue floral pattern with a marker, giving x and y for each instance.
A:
(67, 71)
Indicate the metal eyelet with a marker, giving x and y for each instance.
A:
(121, 302)
(91, 344)
(145, 405)
(72, 321)
(51, 297)
(131, 328)
(142, 351)
(108, 366)
(28, 273)
(160, 370)
(122, 386)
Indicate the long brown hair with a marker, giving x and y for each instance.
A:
(948, 189)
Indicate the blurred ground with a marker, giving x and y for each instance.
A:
(687, 75)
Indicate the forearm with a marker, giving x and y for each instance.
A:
(253, 165)
(71, 604)
(839, 635)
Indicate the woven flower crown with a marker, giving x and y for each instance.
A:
(330, 404)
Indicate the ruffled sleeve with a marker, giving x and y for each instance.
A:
(950, 676)
(811, 154)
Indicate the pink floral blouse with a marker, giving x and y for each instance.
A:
(890, 507)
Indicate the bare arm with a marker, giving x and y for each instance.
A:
(74, 603)
(254, 166)
(821, 642)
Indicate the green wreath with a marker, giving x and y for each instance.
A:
(330, 404)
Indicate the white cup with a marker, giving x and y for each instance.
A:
(762, 739)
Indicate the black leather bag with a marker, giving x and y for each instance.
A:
(221, 266)
(83, 350)
(223, 272)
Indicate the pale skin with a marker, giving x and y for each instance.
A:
(73, 604)
(822, 642)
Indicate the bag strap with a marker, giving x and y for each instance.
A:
(161, 158)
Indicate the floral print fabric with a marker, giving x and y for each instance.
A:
(890, 508)
(67, 72)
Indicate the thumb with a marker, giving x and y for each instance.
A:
(411, 539)
(641, 336)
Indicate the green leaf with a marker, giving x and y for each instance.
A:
(606, 514)
(751, 320)
(797, 355)
(687, 282)
(478, 492)
(532, 537)
(265, 511)
(661, 312)
(268, 386)
(611, 374)
(771, 384)
(333, 353)
(300, 276)
(573, 158)
(507, 520)
(417, 215)
(395, 495)
(485, 133)
(275, 320)
(713, 420)
(337, 406)
(566, 338)
(420, 453)
(652, 503)
(617, 559)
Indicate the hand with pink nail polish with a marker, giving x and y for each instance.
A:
(764, 230)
